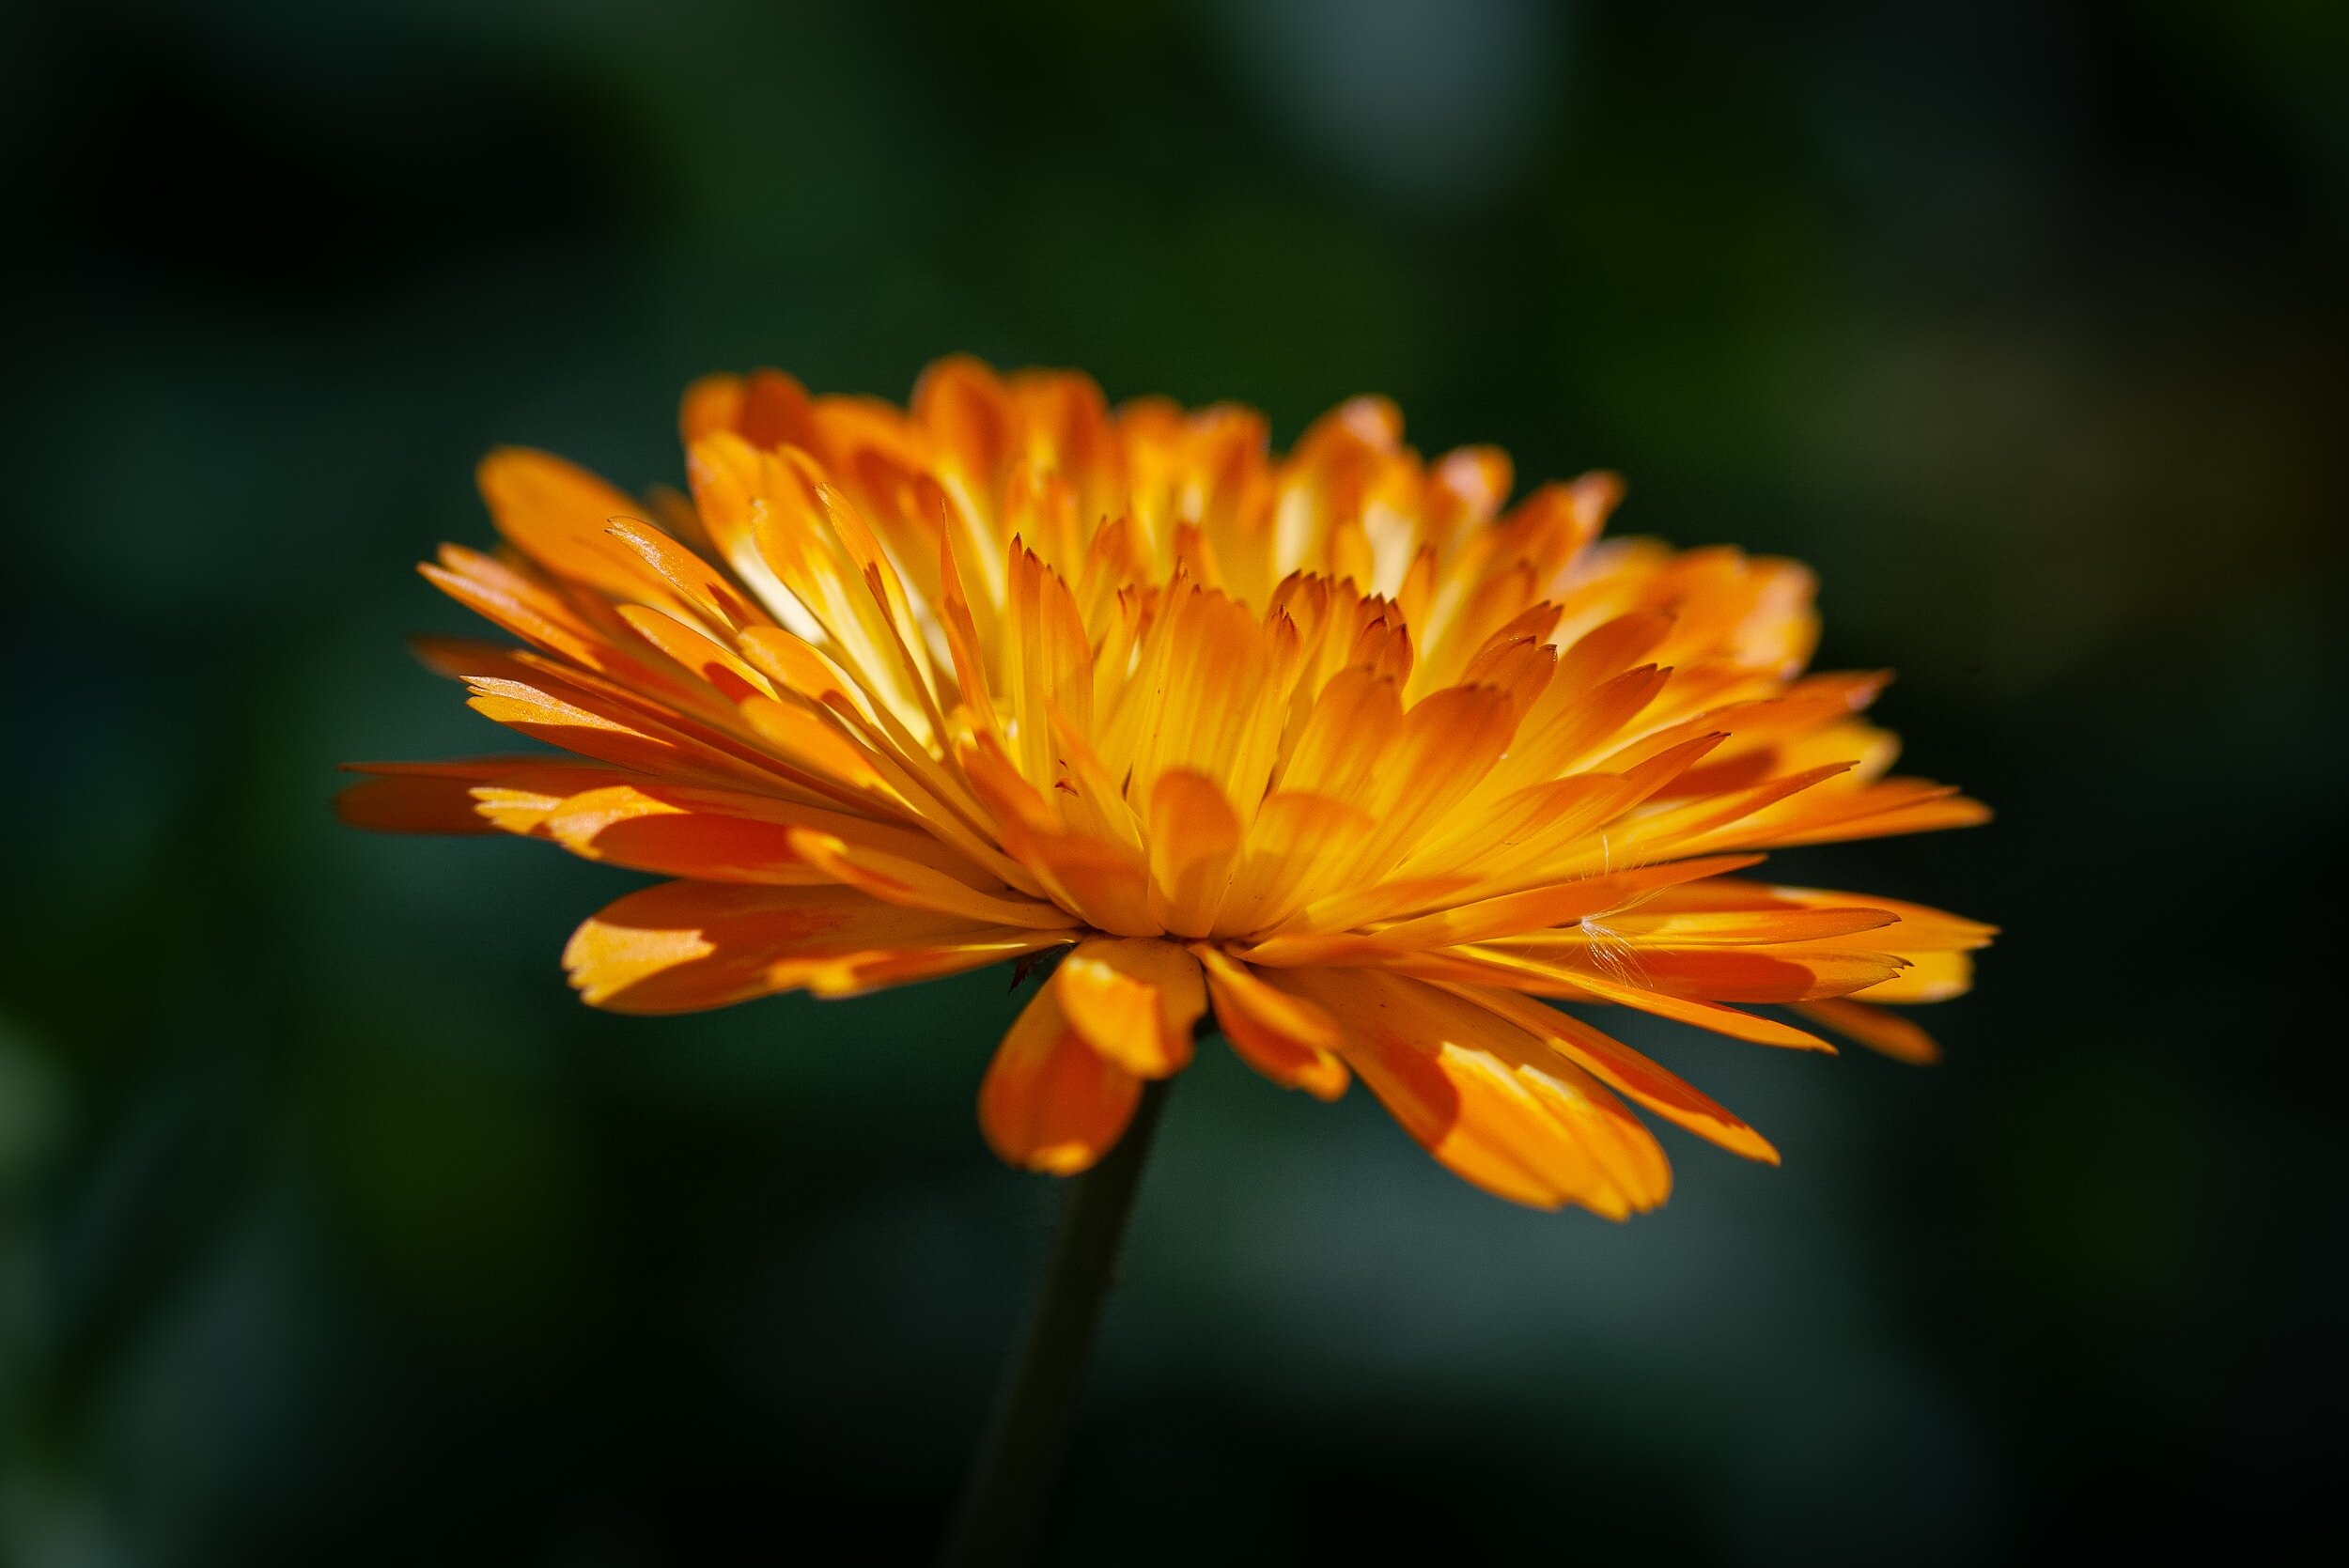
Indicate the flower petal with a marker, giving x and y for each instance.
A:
(1135, 999)
(897, 879)
(1873, 1026)
(1049, 1101)
(1487, 1099)
(1931, 976)
(681, 947)
(1749, 975)
(1493, 918)
(1289, 1040)
(1194, 845)
(1704, 1014)
(423, 797)
(1623, 1069)
(559, 515)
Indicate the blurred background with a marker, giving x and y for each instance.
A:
(333, 1229)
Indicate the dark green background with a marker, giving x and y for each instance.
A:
(334, 1230)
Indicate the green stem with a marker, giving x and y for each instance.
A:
(1011, 1475)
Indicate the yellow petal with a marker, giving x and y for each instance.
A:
(1194, 842)
(1931, 976)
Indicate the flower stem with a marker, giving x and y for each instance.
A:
(1011, 1475)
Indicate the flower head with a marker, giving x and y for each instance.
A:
(1338, 745)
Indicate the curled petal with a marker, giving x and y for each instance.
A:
(1289, 1039)
(1134, 1000)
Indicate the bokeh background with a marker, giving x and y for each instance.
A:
(334, 1230)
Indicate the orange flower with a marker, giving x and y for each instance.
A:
(1337, 744)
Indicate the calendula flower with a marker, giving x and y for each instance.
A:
(1340, 745)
